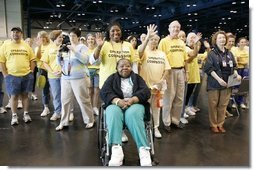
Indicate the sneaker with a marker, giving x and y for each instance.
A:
(243, 106)
(124, 137)
(14, 119)
(145, 157)
(20, 105)
(180, 125)
(71, 117)
(193, 109)
(45, 112)
(8, 106)
(167, 128)
(96, 111)
(234, 106)
(185, 115)
(196, 108)
(189, 112)
(3, 110)
(55, 116)
(60, 127)
(228, 114)
(89, 125)
(34, 97)
(157, 133)
(27, 118)
(184, 121)
(116, 156)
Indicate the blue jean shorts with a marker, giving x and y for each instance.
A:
(94, 77)
(17, 85)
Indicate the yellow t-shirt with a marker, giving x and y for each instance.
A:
(95, 66)
(242, 57)
(17, 58)
(175, 50)
(50, 57)
(201, 59)
(193, 68)
(153, 65)
(109, 55)
(39, 62)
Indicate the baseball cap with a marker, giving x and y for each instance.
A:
(17, 29)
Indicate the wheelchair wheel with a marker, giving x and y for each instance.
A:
(100, 130)
(150, 138)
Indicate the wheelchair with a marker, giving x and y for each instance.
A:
(102, 133)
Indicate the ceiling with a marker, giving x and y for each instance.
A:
(206, 16)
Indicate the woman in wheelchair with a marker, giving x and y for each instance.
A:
(125, 95)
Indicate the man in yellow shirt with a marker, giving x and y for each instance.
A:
(17, 62)
(173, 97)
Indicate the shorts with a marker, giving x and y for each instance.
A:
(17, 85)
(94, 77)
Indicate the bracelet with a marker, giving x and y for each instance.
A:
(117, 101)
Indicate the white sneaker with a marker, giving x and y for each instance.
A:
(14, 119)
(27, 118)
(61, 126)
(116, 156)
(96, 111)
(189, 112)
(145, 157)
(192, 109)
(124, 137)
(8, 106)
(2, 110)
(234, 106)
(55, 116)
(157, 133)
(243, 106)
(184, 121)
(34, 97)
(20, 105)
(71, 117)
(185, 115)
(45, 112)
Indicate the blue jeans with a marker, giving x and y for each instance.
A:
(45, 91)
(55, 85)
(133, 118)
(1, 89)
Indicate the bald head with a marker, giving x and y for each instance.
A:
(174, 29)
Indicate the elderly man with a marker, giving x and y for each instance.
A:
(175, 50)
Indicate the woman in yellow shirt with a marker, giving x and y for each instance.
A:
(242, 57)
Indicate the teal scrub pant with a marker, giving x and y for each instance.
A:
(132, 117)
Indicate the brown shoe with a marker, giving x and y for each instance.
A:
(221, 129)
(215, 130)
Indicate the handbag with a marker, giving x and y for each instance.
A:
(40, 81)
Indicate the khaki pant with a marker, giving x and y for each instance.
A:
(173, 97)
(77, 88)
(217, 105)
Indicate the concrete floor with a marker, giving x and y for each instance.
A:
(38, 144)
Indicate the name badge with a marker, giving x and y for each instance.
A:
(224, 64)
(230, 63)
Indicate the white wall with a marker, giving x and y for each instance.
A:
(10, 16)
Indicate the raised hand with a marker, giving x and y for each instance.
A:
(99, 39)
(198, 37)
(206, 44)
(151, 30)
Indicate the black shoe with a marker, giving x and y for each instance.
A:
(167, 128)
(180, 125)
